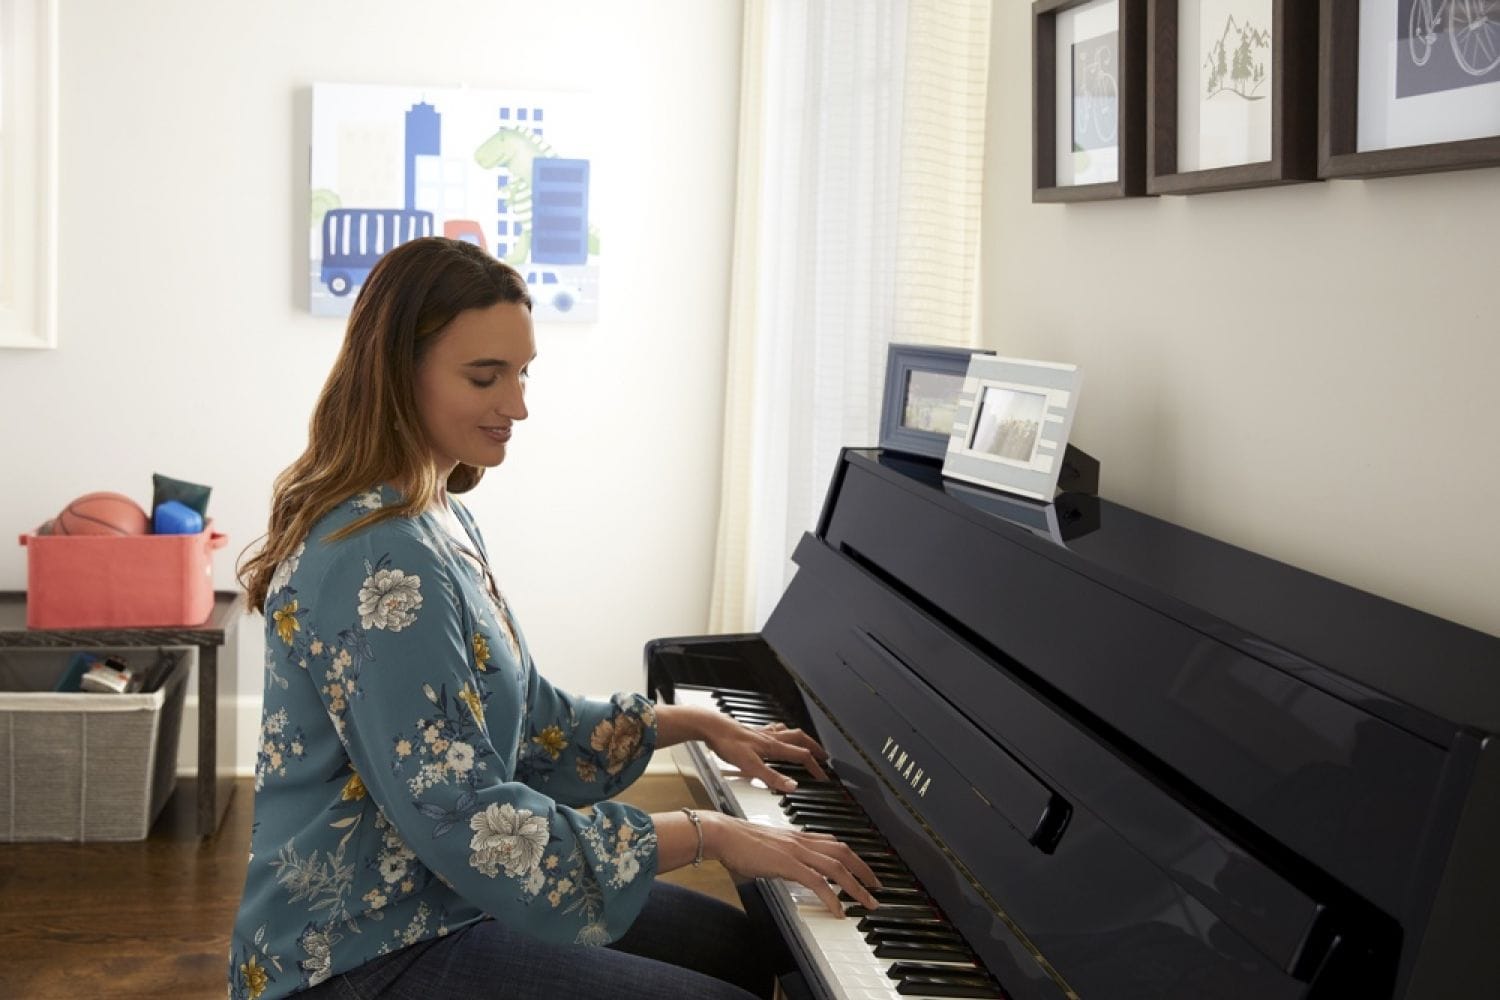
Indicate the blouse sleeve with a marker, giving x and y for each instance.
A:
(582, 751)
(386, 630)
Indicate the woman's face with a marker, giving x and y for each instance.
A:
(471, 385)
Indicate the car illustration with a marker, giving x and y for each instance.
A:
(547, 288)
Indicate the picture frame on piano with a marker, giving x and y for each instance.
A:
(1011, 429)
(1088, 109)
(922, 386)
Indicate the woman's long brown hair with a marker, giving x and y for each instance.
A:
(365, 429)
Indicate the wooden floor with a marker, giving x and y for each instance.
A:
(152, 918)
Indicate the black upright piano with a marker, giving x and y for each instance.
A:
(1095, 755)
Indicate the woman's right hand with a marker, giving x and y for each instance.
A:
(813, 859)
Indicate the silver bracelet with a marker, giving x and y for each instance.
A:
(692, 814)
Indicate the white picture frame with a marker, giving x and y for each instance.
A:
(1011, 429)
(28, 179)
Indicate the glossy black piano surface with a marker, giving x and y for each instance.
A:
(1126, 760)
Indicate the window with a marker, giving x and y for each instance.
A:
(28, 196)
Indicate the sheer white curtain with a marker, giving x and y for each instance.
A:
(857, 223)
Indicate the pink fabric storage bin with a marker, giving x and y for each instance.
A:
(114, 581)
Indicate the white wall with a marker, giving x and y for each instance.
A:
(1309, 372)
(185, 346)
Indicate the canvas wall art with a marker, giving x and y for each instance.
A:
(510, 171)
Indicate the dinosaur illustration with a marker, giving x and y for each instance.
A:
(514, 149)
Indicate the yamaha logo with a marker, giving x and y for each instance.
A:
(906, 766)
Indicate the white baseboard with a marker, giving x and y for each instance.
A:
(247, 729)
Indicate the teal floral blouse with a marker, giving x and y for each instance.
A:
(415, 773)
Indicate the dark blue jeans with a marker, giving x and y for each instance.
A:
(683, 946)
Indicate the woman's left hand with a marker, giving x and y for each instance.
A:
(749, 747)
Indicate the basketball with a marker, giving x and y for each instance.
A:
(102, 514)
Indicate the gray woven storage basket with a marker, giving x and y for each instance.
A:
(84, 766)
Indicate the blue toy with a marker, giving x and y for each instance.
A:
(173, 517)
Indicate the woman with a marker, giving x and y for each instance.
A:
(417, 831)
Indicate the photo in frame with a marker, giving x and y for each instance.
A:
(1232, 87)
(1088, 107)
(1010, 431)
(1408, 86)
(922, 387)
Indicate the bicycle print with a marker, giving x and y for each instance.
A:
(1449, 44)
(1096, 93)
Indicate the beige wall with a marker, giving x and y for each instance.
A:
(1309, 372)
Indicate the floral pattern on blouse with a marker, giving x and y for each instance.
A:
(416, 773)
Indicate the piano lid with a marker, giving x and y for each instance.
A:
(1419, 671)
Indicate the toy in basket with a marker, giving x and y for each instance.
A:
(95, 566)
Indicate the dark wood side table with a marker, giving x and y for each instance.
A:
(213, 788)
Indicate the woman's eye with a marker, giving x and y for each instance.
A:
(481, 384)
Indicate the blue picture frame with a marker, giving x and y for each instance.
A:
(912, 427)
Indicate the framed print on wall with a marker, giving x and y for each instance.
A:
(922, 388)
(1011, 428)
(1408, 86)
(1232, 85)
(1088, 99)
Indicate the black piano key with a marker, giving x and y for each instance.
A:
(837, 826)
(949, 986)
(923, 952)
(737, 693)
(909, 935)
(750, 697)
(886, 919)
(942, 967)
(826, 810)
(814, 797)
(750, 719)
(890, 894)
(882, 859)
(912, 914)
(724, 698)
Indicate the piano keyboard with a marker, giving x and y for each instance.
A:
(904, 949)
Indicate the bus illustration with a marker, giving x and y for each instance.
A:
(355, 238)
